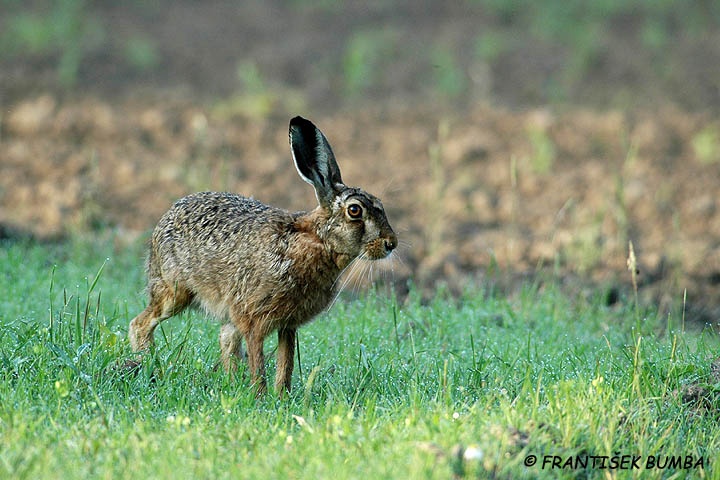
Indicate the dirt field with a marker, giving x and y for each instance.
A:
(483, 193)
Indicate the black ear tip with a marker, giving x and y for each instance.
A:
(302, 126)
(300, 122)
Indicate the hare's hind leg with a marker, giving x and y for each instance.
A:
(230, 346)
(286, 351)
(165, 301)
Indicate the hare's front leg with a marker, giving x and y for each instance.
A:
(286, 351)
(256, 359)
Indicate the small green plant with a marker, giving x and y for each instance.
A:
(544, 150)
(450, 79)
(67, 31)
(654, 35)
(491, 44)
(585, 250)
(141, 53)
(251, 79)
(706, 144)
(257, 97)
(365, 52)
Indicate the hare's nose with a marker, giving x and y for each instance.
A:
(391, 243)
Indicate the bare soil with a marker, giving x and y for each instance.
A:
(472, 190)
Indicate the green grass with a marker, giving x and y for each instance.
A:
(386, 390)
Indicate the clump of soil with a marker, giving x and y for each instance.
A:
(703, 396)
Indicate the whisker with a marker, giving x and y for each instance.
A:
(383, 276)
(405, 243)
(390, 272)
(348, 275)
(345, 277)
(346, 272)
(365, 275)
(360, 280)
(363, 272)
(337, 295)
(369, 277)
(386, 187)
(396, 257)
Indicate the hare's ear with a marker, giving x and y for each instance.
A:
(314, 160)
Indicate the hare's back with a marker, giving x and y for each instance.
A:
(215, 219)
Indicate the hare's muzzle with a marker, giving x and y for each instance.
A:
(387, 243)
(390, 243)
(380, 247)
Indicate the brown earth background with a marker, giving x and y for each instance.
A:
(502, 151)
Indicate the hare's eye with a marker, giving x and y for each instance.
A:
(354, 211)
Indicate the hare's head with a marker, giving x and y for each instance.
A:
(354, 222)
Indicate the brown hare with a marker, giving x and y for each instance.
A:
(259, 268)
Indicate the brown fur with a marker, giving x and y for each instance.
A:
(260, 268)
